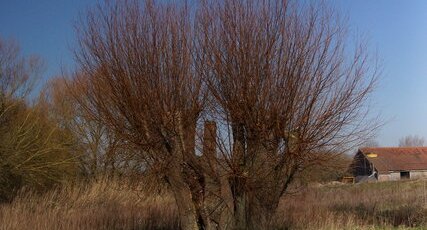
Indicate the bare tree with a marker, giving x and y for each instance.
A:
(17, 74)
(371, 143)
(100, 152)
(287, 91)
(136, 63)
(279, 87)
(411, 141)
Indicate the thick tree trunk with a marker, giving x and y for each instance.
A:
(217, 178)
(237, 182)
(239, 204)
(225, 221)
(183, 198)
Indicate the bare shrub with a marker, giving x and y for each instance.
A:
(33, 149)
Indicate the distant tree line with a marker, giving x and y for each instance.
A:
(411, 141)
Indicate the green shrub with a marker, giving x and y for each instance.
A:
(34, 151)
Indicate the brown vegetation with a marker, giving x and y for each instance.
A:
(225, 107)
(118, 205)
(106, 204)
(34, 151)
(274, 77)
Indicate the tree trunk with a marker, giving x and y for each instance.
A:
(182, 194)
(239, 204)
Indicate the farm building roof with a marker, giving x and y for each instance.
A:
(397, 158)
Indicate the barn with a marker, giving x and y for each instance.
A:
(389, 163)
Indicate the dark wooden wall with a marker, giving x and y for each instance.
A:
(360, 165)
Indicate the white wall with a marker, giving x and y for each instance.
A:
(418, 174)
(392, 176)
(383, 177)
(395, 175)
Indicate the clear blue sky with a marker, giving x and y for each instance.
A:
(396, 29)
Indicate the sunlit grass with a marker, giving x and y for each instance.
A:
(113, 205)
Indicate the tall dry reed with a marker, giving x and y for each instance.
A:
(98, 205)
(112, 205)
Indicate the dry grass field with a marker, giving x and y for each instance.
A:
(382, 205)
(111, 205)
(99, 205)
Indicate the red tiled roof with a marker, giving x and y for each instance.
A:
(397, 158)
